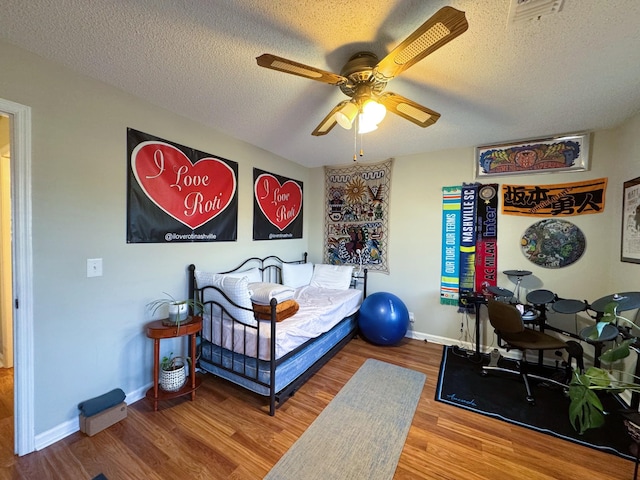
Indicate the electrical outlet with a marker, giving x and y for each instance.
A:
(94, 267)
(411, 317)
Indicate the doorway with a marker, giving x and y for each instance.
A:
(6, 295)
(6, 275)
(20, 303)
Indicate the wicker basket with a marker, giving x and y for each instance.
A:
(173, 380)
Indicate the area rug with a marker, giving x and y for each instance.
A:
(361, 433)
(502, 396)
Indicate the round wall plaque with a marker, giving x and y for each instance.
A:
(553, 243)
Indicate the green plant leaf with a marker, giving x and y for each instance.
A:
(618, 352)
(597, 377)
(585, 408)
(610, 312)
(594, 331)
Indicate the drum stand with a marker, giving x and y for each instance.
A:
(518, 274)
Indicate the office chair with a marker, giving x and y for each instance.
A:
(512, 334)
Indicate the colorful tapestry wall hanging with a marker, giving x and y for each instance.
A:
(560, 200)
(277, 206)
(469, 242)
(178, 194)
(450, 267)
(553, 243)
(357, 215)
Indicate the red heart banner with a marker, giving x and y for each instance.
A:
(280, 204)
(193, 194)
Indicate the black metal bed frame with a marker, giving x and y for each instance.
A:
(271, 269)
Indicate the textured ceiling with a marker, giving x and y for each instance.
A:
(573, 71)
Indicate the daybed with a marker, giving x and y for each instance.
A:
(269, 324)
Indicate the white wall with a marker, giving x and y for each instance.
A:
(415, 234)
(89, 332)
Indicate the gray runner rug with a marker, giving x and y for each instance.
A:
(361, 433)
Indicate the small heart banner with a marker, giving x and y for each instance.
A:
(279, 200)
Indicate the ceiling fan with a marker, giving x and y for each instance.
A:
(364, 78)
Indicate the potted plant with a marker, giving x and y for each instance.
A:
(177, 310)
(585, 408)
(173, 372)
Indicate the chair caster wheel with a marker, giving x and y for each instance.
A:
(531, 400)
(484, 373)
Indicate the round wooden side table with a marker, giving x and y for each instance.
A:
(157, 330)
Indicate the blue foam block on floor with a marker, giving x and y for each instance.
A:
(98, 404)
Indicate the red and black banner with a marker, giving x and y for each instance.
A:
(178, 194)
(277, 206)
(486, 237)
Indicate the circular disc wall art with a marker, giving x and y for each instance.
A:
(553, 243)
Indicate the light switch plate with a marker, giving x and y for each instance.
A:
(94, 267)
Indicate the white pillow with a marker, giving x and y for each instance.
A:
(252, 274)
(337, 277)
(296, 275)
(263, 292)
(237, 289)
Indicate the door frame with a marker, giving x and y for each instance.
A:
(22, 249)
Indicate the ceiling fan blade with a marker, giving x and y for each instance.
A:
(329, 121)
(408, 109)
(441, 28)
(289, 66)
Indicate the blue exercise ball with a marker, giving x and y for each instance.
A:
(383, 318)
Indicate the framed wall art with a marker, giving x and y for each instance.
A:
(553, 243)
(630, 248)
(546, 155)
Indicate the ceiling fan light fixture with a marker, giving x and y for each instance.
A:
(365, 125)
(346, 115)
(364, 77)
(373, 112)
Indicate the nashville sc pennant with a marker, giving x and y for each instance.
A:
(468, 207)
(450, 269)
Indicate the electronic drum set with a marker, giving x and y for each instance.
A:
(535, 310)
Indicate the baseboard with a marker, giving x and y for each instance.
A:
(512, 354)
(57, 433)
(446, 341)
(67, 428)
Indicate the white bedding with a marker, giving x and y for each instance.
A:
(320, 310)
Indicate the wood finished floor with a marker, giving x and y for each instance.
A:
(227, 434)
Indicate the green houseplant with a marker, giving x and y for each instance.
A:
(585, 408)
(177, 310)
(173, 372)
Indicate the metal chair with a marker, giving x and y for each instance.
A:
(512, 334)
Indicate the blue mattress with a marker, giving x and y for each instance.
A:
(241, 370)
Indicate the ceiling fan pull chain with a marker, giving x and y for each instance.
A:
(355, 140)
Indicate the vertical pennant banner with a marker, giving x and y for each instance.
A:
(486, 238)
(450, 268)
(468, 207)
